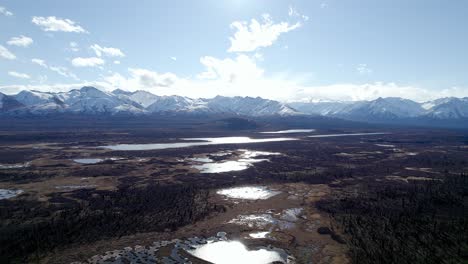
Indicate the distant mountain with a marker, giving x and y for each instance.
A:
(249, 106)
(447, 108)
(390, 110)
(8, 103)
(90, 100)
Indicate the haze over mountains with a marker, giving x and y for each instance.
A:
(92, 101)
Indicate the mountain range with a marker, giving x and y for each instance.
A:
(92, 101)
(388, 109)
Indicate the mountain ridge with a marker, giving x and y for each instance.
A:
(92, 101)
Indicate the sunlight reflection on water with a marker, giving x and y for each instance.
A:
(233, 252)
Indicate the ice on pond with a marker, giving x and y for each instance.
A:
(248, 193)
(259, 234)
(385, 145)
(289, 131)
(198, 142)
(88, 161)
(225, 166)
(350, 134)
(94, 160)
(202, 159)
(7, 194)
(218, 249)
(73, 187)
(14, 166)
(291, 215)
(243, 161)
(233, 252)
(254, 220)
(283, 221)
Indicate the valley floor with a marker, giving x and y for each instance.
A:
(391, 196)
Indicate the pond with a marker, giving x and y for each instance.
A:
(289, 131)
(227, 252)
(7, 194)
(243, 161)
(248, 192)
(197, 142)
(350, 134)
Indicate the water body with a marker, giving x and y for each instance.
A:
(346, 135)
(245, 160)
(233, 252)
(199, 142)
(94, 160)
(88, 161)
(259, 234)
(385, 145)
(217, 249)
(284, 220)
(74, 187)
(248, 193)
(289, 131)
(7, 194)
(14, 166)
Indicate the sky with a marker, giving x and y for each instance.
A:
(283, 50)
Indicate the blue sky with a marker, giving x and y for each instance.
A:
(285, 50)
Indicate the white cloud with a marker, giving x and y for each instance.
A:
(74, 46)
(116, 62)
(371, 91)
(6, 54)
(107, 51)
(21, 41)
(363, 69)
(19, 75)
(250, 37)
(39, 62)
(292, 12)
(53, 23)
(57, 69)
(87, 62)
(174, 58)
(242, 68)
(63, 71)
(151, 79)
(5, 12)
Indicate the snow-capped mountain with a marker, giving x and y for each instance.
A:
(249, 106)
(8, 103)
(448, 108)
(388, 109)
(90, 100)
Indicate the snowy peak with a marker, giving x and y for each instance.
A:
(392, 107)
(388, 109)
(249, 106)
(35, 98)
(90, 100)
(8, 103)
(449, 108)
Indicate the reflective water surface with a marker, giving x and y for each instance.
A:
(199, 142)
(234, 252)
(88, 161)
(259, 234)
(244, 160)
(289, 131)
(350, 134)
(14, 166)
(7, 194)
(248, 193)
(95, 160)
